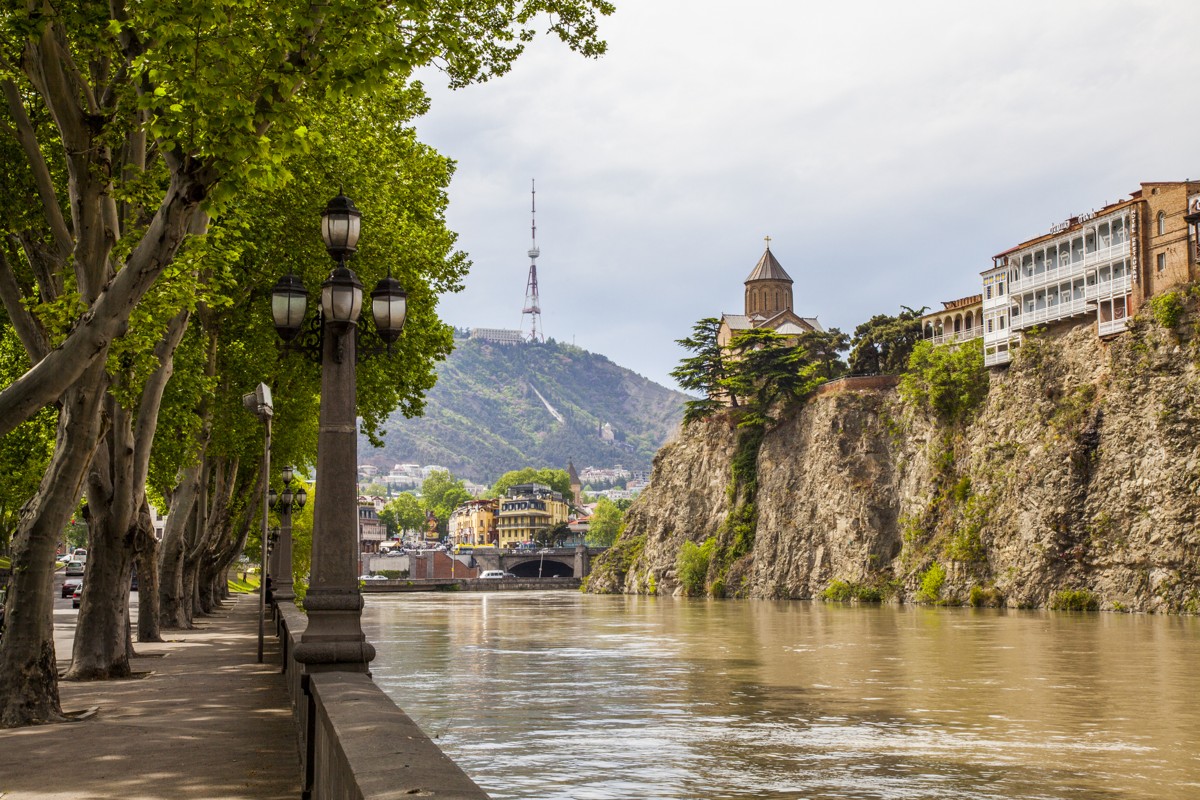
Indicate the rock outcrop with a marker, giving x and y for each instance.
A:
(1075, 483)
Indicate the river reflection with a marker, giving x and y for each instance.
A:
(562, 695)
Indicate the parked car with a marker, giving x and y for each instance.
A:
(75, 595)
(74, 568)
(70, 585)
(495, 573)
(394, 553)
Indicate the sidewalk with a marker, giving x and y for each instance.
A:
(207, 721)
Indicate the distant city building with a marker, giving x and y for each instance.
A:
(475, 523)
(370, 530)
(498, 335)
(529, 510)
(1103, 264)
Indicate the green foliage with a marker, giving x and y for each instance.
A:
(441, 493)
(402, 513)
(24, 453)
(1071, 410)
(606, 523)
(482, 418)
(951, 382)
(1074, 600)
(766, 367)
(691, 565)
(882, 344)
(839, 591)
(980, 597)
(932, 580)
(1167, 309)
(705, 372)
(556, 479)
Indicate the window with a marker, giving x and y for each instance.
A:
(1162, 262)
(1000, 288)
(987, 292)
(989, 326)
(1162, 223)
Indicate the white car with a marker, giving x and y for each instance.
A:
(496, 573)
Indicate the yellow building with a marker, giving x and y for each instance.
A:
(528, 511)
(474, 523)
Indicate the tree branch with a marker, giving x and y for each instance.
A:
(28, 330)
(27, 138)
(151, 400)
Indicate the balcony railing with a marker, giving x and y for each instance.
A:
(1112, 326)
(1072, 270)
(996, 359)
(1057, 311)
(957, 336)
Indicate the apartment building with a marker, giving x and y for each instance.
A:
(527, 510)
(1102, 265)
(475, 522)
(957, 321)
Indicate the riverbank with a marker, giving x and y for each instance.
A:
(202, 720)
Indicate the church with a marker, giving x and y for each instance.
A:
(768, 303)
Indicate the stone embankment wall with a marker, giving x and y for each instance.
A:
(354, 741)
(1077, 477)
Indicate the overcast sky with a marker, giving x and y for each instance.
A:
(888, 148)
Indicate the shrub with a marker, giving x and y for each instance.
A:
(1167, 309)
(932, 580)
(691, 566)
(1074, 600)
(949, 381)
(839, 591)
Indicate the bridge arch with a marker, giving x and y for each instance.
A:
(550, 568)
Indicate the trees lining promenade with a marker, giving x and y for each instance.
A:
(167, 162)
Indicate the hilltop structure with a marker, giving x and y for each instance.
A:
(1102, 264)
(768, 303)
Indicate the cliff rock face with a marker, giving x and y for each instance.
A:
(1077, 479)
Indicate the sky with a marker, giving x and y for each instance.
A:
(888, 149)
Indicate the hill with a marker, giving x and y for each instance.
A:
(497, 408)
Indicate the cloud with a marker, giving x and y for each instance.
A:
(888, 148)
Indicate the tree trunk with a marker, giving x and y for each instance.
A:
(101, 633)
(28, 669)
(147, 569)
(172, 613)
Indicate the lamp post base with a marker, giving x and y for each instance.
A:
(333, 640)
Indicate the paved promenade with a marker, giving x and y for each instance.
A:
(204, 721)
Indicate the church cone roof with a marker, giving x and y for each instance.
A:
(768, 269)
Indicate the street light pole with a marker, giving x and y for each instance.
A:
(260, 405)
(281, 562)
(334, 640)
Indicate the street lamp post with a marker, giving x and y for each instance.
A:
(281, 562)
(260, 404)
(333, 640)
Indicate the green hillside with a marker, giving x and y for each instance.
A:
(484, 416)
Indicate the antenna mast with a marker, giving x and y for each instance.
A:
(533, 308)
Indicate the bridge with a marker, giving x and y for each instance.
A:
(550, 562)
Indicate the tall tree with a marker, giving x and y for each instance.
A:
(134, 123)
(605, 523)
(705, 372)
(882, 344)
(556, 479)
(441, 493)
(403, 513)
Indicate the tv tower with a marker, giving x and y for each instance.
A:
(533, 308)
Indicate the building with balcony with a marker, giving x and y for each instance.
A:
(958, 321)
(475, 522)
(527, 511)
(1101, 266)
(370, 530)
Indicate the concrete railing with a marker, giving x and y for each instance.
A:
(355, 743)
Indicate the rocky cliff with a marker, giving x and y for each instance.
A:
(1073, 484)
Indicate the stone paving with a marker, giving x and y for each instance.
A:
(203, 720)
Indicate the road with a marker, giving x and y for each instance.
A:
(65, 618)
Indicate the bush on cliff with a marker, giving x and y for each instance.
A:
(951, 382)
(691, 566)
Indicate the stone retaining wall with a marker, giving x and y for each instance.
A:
(355, 743)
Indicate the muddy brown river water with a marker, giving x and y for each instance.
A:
(562, 695)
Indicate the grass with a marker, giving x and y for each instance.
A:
(247, 586)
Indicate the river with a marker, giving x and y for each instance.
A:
(563, 695)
